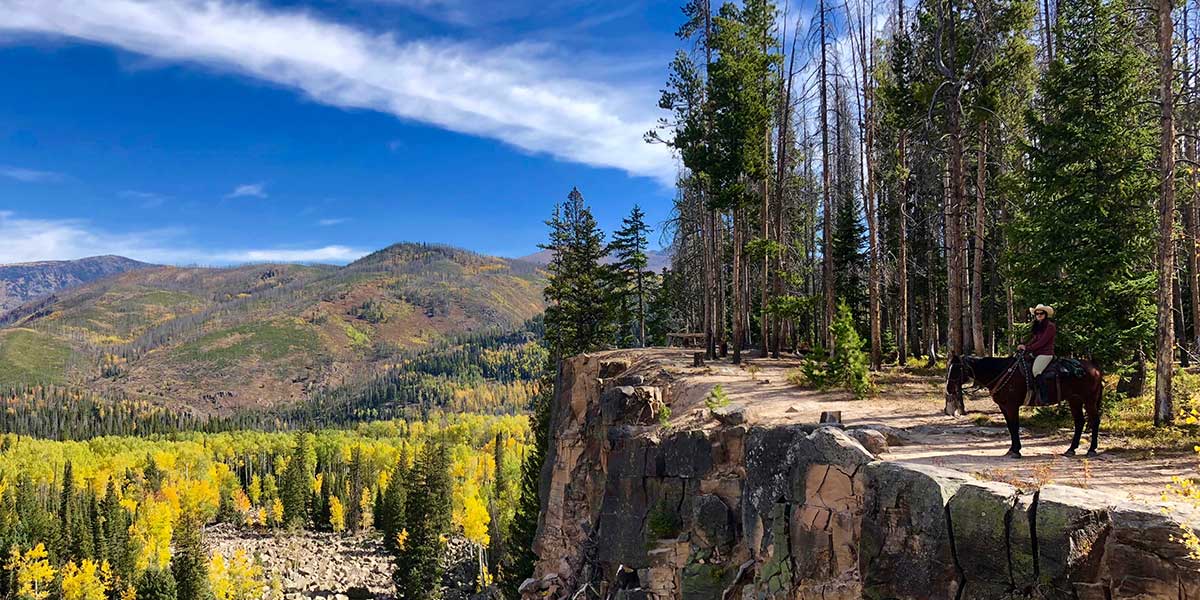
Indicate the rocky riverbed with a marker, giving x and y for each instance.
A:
(312, 564)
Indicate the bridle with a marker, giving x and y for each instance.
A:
(999, 381)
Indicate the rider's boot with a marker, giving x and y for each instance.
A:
(1043, 390)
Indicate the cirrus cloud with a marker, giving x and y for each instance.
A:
(25, 239)
(511, 93)
(29, 175)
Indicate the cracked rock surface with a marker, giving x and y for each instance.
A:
(731, 510)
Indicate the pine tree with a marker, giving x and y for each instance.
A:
(427, 515)
(499, 492)
(849, 236)
(579, 318)
(392, 509)
(115, 524)
(296, 488)
(189, 561)
(628, 247)
(156, 584)
(66, 520)
(1082, 237)
(354, 512)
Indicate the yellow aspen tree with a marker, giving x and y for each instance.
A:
(337, 514)
(84, 582)
(33, 572)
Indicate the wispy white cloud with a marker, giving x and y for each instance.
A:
(248, 190)
(327, 254)
(29, 175)
(513, 93)
(148, 199)
(331, 222)
(24, 239)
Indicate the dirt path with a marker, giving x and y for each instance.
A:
(914, 404)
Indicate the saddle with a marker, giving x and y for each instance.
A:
(1058, 369)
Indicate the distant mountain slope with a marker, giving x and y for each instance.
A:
(22, 282)
(262, 335)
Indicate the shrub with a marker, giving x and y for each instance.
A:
(664, 522)
(664, 414)
(716, 398)
(847, 366)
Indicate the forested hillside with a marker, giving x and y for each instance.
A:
(115, 517)
(261, 336)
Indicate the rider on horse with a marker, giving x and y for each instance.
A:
(1040, 345)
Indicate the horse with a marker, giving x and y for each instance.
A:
(1004, 378)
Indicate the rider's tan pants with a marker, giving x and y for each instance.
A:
(1040, 363)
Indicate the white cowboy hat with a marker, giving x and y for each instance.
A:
(1049, 309)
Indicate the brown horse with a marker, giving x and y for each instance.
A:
(1005, 379)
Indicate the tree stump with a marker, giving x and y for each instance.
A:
(697, 359)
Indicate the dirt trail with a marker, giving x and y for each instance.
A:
(914, 404)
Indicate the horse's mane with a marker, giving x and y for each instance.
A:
(987, 368)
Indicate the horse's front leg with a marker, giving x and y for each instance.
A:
(1077, 414)
(1012, 418)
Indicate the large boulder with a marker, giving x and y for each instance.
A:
(980, 513)
(906, 550)
(631, 405)
(733, 415)
(1022, 559)
(874, 441)
(1072, 525)
(1144, 556)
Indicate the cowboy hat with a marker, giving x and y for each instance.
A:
(1049, 310)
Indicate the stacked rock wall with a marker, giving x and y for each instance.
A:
(636, 511)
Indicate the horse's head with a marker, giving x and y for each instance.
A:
(959, 372)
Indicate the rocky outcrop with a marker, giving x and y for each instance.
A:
(722, 511)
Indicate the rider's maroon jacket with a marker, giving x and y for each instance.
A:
(1043, 343)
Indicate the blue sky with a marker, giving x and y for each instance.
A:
(223, 131)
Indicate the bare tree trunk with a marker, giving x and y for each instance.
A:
(1048, 22)
(867, 110)
(712, 281)
(902, 229)
(977, 259)
(784, 142)
(1191, 208)
(956, 194)
(738, 287)
(1164, 411)
(826, 205)
(764, 320)
(722, 289)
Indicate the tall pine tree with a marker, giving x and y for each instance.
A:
(628, 247)
(427, 517)
(1082, 237)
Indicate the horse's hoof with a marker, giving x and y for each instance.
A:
(1012, 454)
(1092, 454)
(1070, 452)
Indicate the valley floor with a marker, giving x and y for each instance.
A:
(912, 404)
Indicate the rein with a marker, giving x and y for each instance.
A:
(1002, 379)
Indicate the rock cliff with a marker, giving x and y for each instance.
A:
(633, 509)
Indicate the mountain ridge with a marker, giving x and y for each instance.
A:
(263, 335)
(22, 282)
